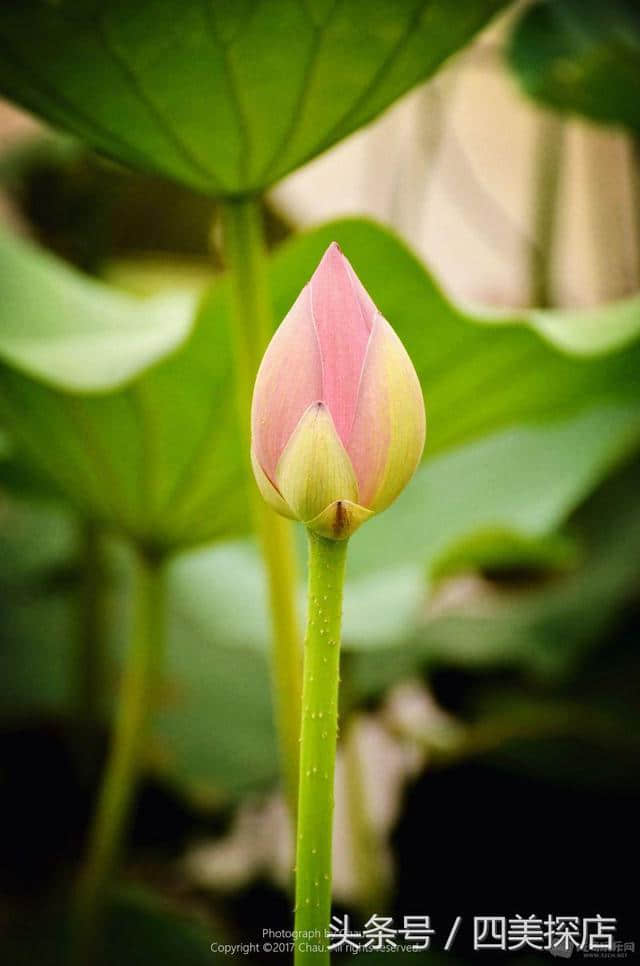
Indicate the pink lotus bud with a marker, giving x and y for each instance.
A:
(337, 421)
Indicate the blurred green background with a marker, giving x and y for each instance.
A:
(489, 730)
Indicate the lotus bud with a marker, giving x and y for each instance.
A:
(337, 420)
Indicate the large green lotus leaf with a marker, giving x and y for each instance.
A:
(159, 455)
(68, 330)
(151, 449)
(224, 96)
(581, 56)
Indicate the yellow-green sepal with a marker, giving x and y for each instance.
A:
(339, 520)
(314, 470)
(268, 491)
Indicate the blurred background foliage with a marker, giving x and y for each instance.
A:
(490, 644)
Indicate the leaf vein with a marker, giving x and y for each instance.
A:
(164, 125)
(101, 131)
(243, 124)
(296, 116)
(337, 130)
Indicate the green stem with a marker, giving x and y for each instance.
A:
(91, 656)
(318, 748)
(251, 330)
(88, 685)
(546, 172)
(252, 315)
(122, 768)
